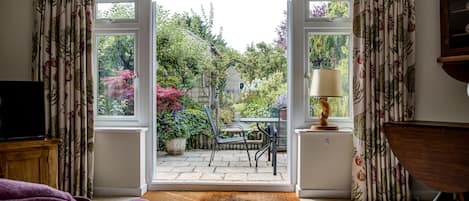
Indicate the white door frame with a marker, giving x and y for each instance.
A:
(295, 13)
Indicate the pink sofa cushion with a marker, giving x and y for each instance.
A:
(24, 191)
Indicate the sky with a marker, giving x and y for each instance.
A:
(243, 21)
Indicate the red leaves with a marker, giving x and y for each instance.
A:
(168, 98)
(121, 86)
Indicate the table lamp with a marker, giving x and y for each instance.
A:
(324, 84)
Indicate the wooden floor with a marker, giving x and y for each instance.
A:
(215, 196)
(219, 196)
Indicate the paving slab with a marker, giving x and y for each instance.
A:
(239, 164)
(166, 175)
(229, 166)
(212, 176)
(164, 168)
(263, 177)
(204, 169)
(236, 176)
(183, 169)
(234, 170)
(194, 158)
(189, 176)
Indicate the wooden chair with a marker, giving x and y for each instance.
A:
(218, 140)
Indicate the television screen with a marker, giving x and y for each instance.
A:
(21, 110)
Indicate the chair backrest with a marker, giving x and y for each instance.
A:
(271, 129)
(281, 128)
(212, 125)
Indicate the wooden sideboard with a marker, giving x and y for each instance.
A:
(30, 160)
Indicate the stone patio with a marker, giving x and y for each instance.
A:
(228, 166)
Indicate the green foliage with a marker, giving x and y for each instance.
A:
(337, 9)
(188, 49)
(260, 95)
(197, 122)
(171, 125)
(332, 52)
(326, 51)
(115, 56)
(188, 123)
(109, 106)
(279, 103)
(118, 11)
(226, 115)
(180, 54)
(261, 60)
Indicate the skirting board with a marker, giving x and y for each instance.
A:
(417, 195)
(303, 193)
(120, 191)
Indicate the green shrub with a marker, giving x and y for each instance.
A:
(197, 122)
(226, 115)
(172, 125)
(260, 95)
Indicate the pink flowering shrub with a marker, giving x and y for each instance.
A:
(116, 93)
(170, 120)
(120, 87)
(168, 98)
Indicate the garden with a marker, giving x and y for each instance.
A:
(196, 67)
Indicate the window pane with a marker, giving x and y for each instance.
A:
(331, 52)
(116, 72)
(320, 9)
(118, 10)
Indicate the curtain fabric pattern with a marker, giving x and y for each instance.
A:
(62, 41)
(383, 91)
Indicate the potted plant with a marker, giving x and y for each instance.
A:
(171, 125)
(173, 130)
(279, 107)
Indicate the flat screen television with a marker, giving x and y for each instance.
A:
(21, 110)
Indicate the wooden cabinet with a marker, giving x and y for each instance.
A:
(454, 25)
(32, 161)
(324, 162)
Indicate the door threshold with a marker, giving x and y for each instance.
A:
(221, 186)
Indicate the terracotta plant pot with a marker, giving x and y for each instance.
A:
(283, 114)
(175, 146)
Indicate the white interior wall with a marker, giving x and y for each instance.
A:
(438, 96)
(16, 22)
(119, 165)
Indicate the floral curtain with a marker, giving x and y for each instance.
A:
(62, 39)
(383, 91)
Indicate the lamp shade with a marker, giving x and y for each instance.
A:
(326, 83)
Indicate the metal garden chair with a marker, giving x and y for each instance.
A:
(218, 140)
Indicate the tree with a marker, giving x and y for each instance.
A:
(118, 11)
(282, 31)
(328, 51)
(262, 60)
(179, 67)
(181, 55)
(115, 55)
(187, 48)
(259, 97)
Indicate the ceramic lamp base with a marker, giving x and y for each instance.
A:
(328, 127)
